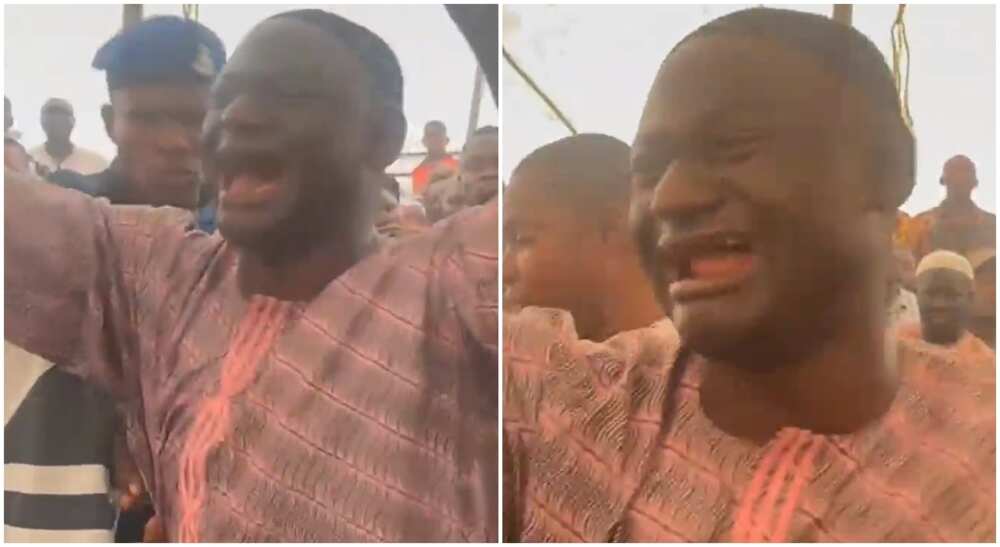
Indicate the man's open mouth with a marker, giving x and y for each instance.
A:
(706, 264)
(250, 179)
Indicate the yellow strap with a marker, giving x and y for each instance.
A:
(190, 11)
(901, 54)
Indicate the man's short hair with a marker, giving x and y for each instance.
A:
(486, 130)
(377, 58)
(435, 125)
(57, 104)
(588, 173)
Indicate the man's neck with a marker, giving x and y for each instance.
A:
(629, 310)
(59, 150)
(304, 276)
(435, 156)
(943, 338)
(848, 382)
(958, 202)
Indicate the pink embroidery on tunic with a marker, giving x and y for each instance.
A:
(791, 457)
(251, 341)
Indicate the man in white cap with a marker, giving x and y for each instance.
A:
(945, 293)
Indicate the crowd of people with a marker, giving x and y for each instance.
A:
(730, 331)
(443, 184)
(300, 373)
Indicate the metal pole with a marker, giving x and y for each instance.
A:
(477, 98)
(131, 14)
(843, 13)
(538, 91)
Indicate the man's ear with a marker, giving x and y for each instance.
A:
(108, 115)
(387, 139)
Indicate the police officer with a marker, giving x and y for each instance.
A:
(159, 73)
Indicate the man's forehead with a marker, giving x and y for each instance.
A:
(958, 167)
(482, 145)
(725, 77)
(289, 46)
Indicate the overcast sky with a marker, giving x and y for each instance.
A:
(49, 50)
(598, 62)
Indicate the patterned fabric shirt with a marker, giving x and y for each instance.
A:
(366, 414)
(585, 460)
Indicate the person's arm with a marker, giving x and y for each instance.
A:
(73, 267)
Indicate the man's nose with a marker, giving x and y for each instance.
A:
(685, 196)
(175, 137)
(245, 115)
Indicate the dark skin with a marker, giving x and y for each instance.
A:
(560, 257)
(945, 298)
(293, 124)
(436, 141)
(953, 230)
(743, 136)
(157, 129)
(478, 168)
(959, 179)
(58, 123)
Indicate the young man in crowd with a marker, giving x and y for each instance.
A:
(767, 170)
(957, 224)
(284, 380)
(59, 151)
(436, 142)
(476, 181)
(155, 115)
(479, 165)
(945, 291)
(567, 243)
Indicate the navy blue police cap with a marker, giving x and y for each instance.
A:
(161, 49)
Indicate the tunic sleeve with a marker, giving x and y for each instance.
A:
(73, 267)
(476, 299)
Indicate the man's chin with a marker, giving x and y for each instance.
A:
(734, 338)
(243, 232)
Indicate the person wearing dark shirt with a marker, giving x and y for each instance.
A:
(158, 75)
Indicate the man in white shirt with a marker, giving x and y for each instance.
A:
(58, 151)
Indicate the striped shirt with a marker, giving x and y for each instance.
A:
(58, 436)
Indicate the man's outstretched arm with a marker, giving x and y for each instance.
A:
(73, 265)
